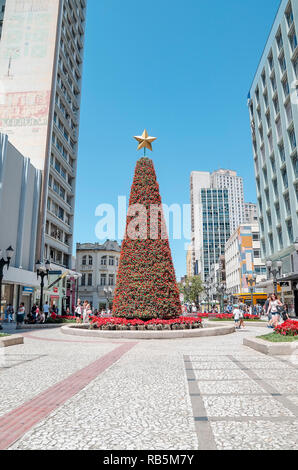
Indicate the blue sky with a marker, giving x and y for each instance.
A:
(180, 69)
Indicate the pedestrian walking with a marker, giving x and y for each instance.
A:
(9, 311)
(79, 311)
(274, 308)
(46, 310)
(86, 311)
(21, 314)
(236, 313)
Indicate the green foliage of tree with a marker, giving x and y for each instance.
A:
(192, 289)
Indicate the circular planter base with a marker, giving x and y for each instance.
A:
(83, 330)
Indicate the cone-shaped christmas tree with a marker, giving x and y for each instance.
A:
(146, 284)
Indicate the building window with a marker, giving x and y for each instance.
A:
(282, 63)
(295, 165)
(111, 261)
(289, 15)
(83, 281)
(293, 40)
(276, 105)
(292, 138)
(290, 231)
(287, 204)
(84, 260)
(280, 239)
(282, 153)
(90, 261)
(89, 279)
(111, 279)
(286, 88)
(273, 83)
(285, 178)
(103, 280)
(270, 61)
(279, 40)
(103, 261)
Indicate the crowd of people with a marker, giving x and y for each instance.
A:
(273, 309)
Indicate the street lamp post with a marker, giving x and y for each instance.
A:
(3, 263)
(77, 277)
(274, 272)
(251, 281)
(42, 271)
(109, 292)
(207, 287)
(187, 288)
(221, 291)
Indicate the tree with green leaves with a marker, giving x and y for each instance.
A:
(191, 288)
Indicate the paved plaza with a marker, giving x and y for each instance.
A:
(64, 392)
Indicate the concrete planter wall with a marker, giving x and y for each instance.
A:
(12, 340)
(271, 349)
(146, 334)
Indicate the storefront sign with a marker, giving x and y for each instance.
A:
(28, 290)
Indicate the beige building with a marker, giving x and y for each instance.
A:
(189, 262)
(41, 60)
(98, 265)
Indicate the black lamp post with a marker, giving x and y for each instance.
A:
(187, 289)
(42, 271)
(221, 291)
(109, 293)
(274, 272)
(3, 263)
(77, 277)
(207, 287)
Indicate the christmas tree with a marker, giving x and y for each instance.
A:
(146, 284)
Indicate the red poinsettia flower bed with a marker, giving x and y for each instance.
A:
(248, 316)
(224, 316)
(114, 322)
(288, 328)
(60, 318)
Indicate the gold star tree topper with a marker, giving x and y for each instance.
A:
(145, 141)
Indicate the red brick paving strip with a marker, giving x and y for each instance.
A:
(17, 422)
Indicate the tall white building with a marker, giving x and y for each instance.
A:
(215, 214)
(228, 179)
(210, 222)
(273, 113)
(41, 60)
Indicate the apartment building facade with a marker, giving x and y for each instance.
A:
(250, 213)
(20, 190)
(227, 189)
(243, 259)
(274, 124)
(273, 110)
(210, 223)
(228, 179)
(98, 265)
(41, 62)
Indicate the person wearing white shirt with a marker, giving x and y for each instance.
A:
(46, 310)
